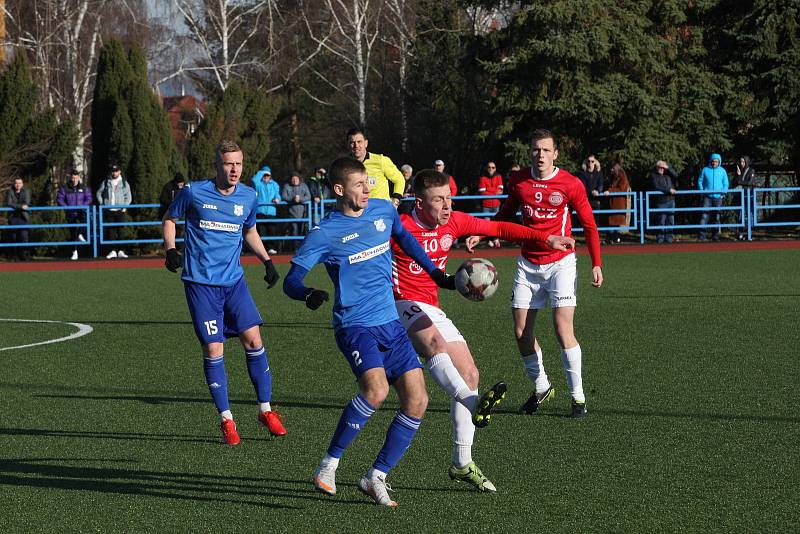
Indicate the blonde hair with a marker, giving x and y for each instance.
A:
(225, 146)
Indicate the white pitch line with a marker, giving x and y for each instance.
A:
(83, 329)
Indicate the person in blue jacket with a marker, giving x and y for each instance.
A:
(269, 194)
(712, 178)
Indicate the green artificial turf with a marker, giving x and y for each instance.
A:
(690, 371)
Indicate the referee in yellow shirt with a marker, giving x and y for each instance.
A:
(380, 169)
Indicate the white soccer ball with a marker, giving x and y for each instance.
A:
(476, 279)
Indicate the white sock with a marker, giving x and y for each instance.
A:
(446, 375)
(572, 368)
(225, 415)
(329, 462)
(534, 367)
(374, 473)
(463, 432)
(264, 407)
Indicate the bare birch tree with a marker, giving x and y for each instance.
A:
(223, 29)
(62, 37)
(400, 17)
(348, 30)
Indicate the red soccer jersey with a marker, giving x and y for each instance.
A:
(490, 185)
(453, 187)
(411, 282)
(545, 204)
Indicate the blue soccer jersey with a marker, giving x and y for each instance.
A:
(358, 256)
(214, 230)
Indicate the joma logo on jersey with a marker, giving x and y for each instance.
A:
(238, 210)
(369, 253)
(209, 207)
(219, 226)
(347, 238)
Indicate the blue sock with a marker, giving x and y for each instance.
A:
(398, 438)
(217, 381)
(260, 375)
(354, 417)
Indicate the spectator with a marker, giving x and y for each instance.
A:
(712, 178)
(18, 198)
(114, 191)
(169, 192)
(296, 194)
(408, 173)
(269, 194)
(662, 178)
(746, 179)
(320, 190)
(438, 166)
(619, 184)
(489, 184)
(75, 193)
(591, 175)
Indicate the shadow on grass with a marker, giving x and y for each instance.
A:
(254, 491)
(326, 404)
(267, 325)
(593, 412)
(206, 487)
(700, 296)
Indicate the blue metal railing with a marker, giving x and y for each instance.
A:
(743, 209)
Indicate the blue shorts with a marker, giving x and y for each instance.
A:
(386, 346)
(220, 312)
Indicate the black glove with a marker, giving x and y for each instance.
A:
(443, 280)
(315, 298)
(272, 276)
(174, 260)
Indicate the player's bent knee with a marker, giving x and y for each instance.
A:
(375, 395)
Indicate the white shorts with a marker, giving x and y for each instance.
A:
(410, 311)
(533, 284)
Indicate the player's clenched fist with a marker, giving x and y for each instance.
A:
(272, 276)
(558, 242)
(174, 260)
(315, 298)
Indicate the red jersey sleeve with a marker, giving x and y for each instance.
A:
(483, 184)
(580, 203)
(468, 225)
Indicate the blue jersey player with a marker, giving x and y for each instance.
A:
(353, 241)
(219, 214)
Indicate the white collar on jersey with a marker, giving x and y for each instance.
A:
(548, 177)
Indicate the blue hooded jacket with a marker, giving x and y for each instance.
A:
(713, 179)
(267, 192)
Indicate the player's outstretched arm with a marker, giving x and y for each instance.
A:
(295, 289)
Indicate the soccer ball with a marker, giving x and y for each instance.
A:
(476, 279)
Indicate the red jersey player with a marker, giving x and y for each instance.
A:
(545, 195)
(436, 227)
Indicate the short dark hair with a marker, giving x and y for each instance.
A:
(541, 133)
(344, 167)
(179, 178)
(428, 178)
(356, 130)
